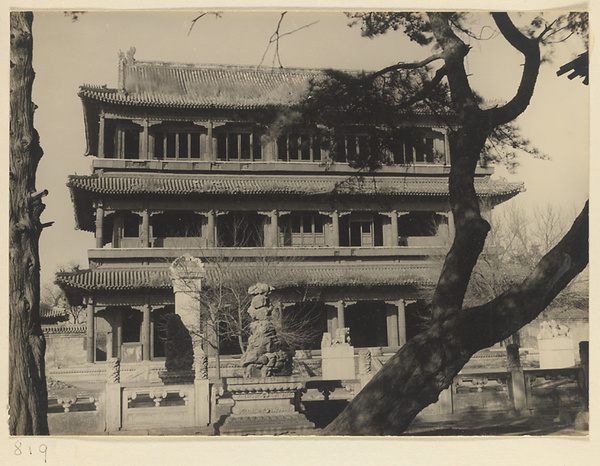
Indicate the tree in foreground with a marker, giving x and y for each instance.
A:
(415, 376)
(28, 398)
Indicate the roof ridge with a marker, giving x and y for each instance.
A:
(235, 67)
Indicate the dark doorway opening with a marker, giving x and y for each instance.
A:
(367, 323)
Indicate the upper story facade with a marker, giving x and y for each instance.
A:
(165, 116)
(185, 157)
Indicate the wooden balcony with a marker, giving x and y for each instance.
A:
(433, 249)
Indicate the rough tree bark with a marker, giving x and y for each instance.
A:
(415, 376)
(28, 398)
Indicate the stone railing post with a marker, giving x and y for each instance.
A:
(517, 379)
(364, 367)
(201, 388)
(113, 395)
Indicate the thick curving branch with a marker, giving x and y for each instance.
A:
(426, 90)
(522, 303)
(406, 66)
(530, 48)
(454, 50)
(415, 376)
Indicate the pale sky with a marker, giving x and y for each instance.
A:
(68, 54)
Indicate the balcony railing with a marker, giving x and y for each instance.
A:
(267, 166)
(287, 251)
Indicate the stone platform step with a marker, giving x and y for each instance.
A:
(268, 424)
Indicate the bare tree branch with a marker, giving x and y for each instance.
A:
(201, 15)
(276, 36)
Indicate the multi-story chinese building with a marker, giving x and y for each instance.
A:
(182, 164)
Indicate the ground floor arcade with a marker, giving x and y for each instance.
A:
(137, 332)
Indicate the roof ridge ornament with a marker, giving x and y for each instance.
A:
(125, 59)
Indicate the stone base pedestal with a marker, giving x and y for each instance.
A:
(337, 362)
(265, 406)
(556, 353)
(176, 377)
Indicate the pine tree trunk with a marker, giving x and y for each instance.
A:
(28, 397)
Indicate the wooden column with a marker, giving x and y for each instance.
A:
(401, 322)
(341, 322)
(335, 226)
(109, 343)
(273, 227)
(446, 148)
(394, 228)
(210, 227)
(392, 325)
(152, 314)
(145, 228)
(209, 142)
(146, 333)
(270, 229)
(99, 225)
(101, 130)
(144, 152)
(90, 332)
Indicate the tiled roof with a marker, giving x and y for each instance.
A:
(50, 312)
(175, 184)
(359, 274)
(194, 86)
(179, 85)
(85, 187)
(61, 329)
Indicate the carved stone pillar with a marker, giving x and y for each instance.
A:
(90, 332)
(187, 273)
